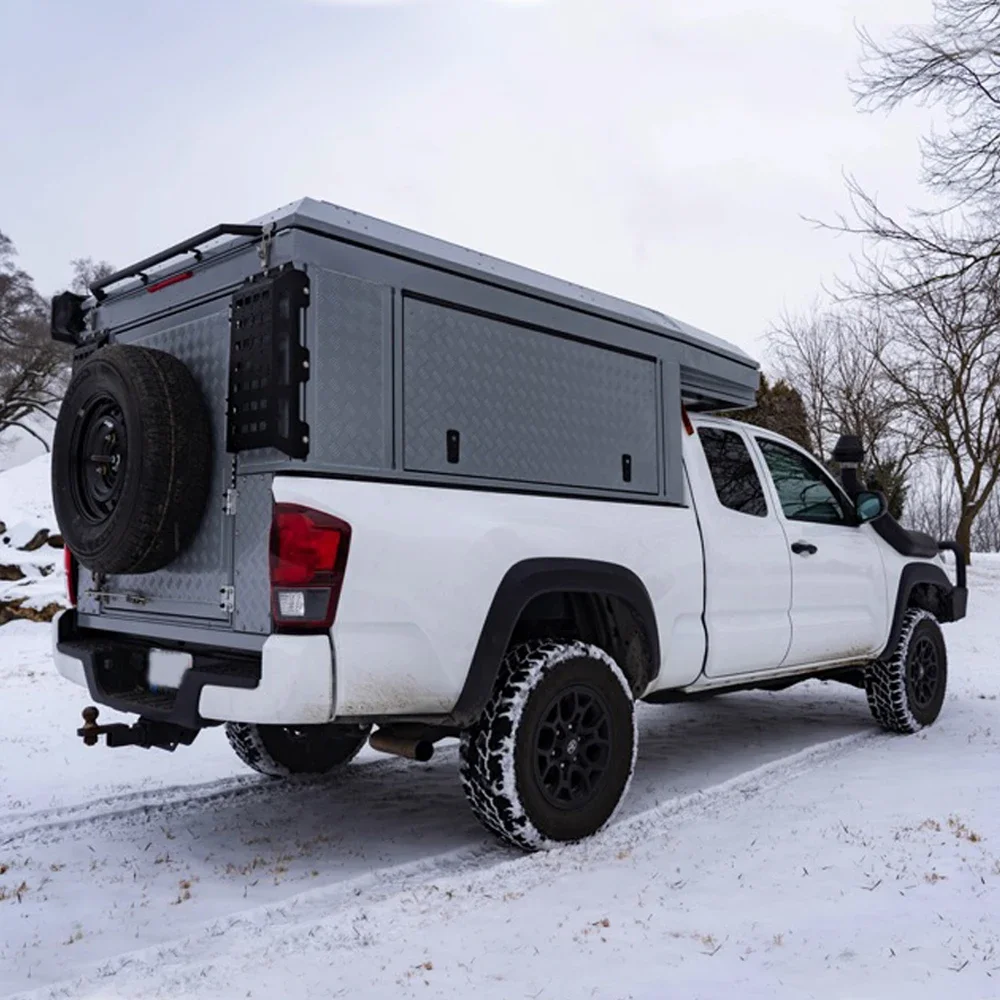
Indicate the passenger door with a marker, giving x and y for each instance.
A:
(838, 577)
(747, 563)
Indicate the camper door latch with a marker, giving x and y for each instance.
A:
(264, 249)
(229, 502)
(227, 599)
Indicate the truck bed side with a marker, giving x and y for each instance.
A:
(426, 563)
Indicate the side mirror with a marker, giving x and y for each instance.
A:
(870, 506)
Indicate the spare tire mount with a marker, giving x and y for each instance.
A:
(97, 452)
(131, 460)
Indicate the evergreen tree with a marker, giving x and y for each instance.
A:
(780, 409)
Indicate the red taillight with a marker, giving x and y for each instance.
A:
(308, 559)
(70, 563)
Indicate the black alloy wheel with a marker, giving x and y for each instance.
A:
(906, 690)
(572, 747)
(924, 673)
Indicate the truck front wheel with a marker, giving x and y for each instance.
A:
(551, 757)
(906, 692)
(283, 751)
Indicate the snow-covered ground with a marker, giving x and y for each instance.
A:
(773, 845)
(31, 574)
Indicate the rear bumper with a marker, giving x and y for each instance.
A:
(289, 682)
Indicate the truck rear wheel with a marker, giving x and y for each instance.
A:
(906, 692)
(551, 757)
(283, 751)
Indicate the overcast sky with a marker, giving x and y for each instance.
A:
(661, 150)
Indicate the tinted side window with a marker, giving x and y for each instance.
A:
(803, 489)
(737, 484)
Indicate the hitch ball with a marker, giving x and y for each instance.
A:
(91, 730)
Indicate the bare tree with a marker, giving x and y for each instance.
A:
(800, 348)
(949, 246)
(932, 278)
(937, 345)
(933, 502)
(986, 531)
(955, 63)
(86, 271)
(32, 366)
(832, 357)
(942, 357)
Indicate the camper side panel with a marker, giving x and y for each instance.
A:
(494, 400)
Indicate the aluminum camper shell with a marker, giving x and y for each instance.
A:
(415, 360)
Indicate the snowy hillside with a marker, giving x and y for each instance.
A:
(18, 447)
(32, 581)
(773, 845)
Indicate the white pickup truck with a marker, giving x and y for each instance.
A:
(298, 561)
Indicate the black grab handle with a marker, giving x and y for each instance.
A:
(187, 246)
(959, 551)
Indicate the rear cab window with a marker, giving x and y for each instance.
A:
(734, 475)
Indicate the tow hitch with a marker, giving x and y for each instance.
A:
(146, 733)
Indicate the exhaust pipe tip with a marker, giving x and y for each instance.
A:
(418, 750)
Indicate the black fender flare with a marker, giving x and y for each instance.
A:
(952, 605)
(532, 578)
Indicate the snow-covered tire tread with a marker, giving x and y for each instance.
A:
(487, 749)
(886, 681)
(248, 744)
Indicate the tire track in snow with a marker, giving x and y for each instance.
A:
(328, 916)
(20, 826)
(16, 825)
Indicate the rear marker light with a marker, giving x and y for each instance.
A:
(308, 558)
(688, 426)
(167, 282)
(70, 564)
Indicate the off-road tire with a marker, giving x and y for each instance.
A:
(906, 692)
(140, 510)
(505, 774)
(287, 751)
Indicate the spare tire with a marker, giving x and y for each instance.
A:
(131, 460)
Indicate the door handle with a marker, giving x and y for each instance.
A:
(804, 548)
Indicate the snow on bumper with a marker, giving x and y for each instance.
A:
(295, 685)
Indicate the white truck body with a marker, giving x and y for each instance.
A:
(331, 475)
(733, 603)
